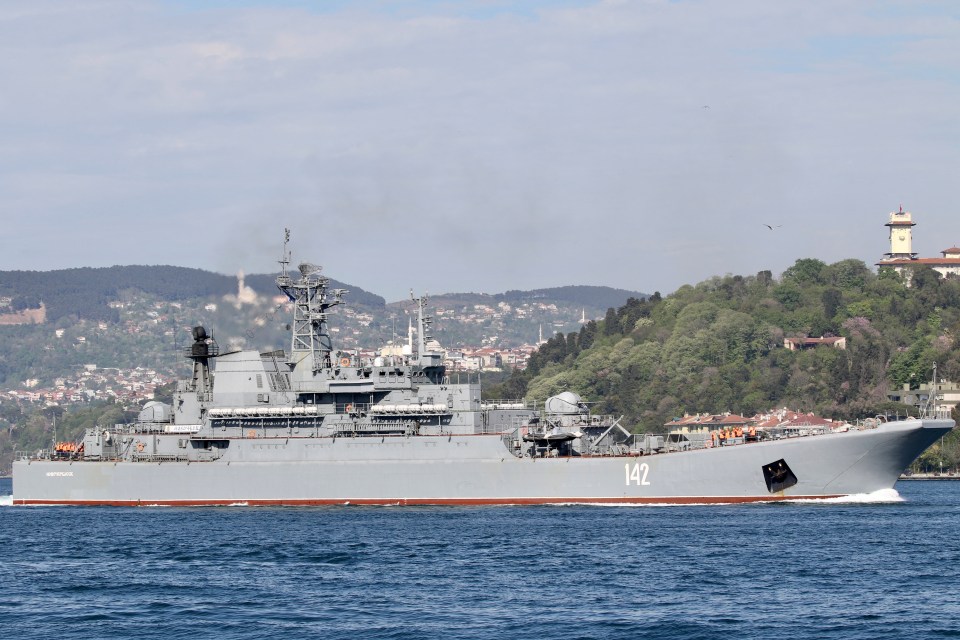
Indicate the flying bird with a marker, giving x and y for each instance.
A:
(772, 227)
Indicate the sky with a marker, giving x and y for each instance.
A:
(476, 146)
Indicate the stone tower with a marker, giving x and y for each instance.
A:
(901, 236)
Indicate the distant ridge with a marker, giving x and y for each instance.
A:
(579, 295)
(86, 291)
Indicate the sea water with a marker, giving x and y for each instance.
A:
(883, 566)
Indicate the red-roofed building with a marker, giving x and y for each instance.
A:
(787, 420)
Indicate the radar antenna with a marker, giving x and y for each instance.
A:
(308, 269)
(311, 300)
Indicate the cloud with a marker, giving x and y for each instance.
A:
(476, 146)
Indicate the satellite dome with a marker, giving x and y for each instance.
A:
(566, 403)
(154, 411)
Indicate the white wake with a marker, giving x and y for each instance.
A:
(883, 496)
(6, 501)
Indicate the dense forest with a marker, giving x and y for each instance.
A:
(718, 346)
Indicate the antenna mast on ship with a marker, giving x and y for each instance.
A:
(930, 407)
(311, 300)
(285, 256)
(423, 323)
(424, 337)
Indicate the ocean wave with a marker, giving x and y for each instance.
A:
(421, 571)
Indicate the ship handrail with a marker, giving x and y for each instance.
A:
(351, 408)
(158, 457)
(31, 454)
(506, 403)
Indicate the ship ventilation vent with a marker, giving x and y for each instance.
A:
(778, 476)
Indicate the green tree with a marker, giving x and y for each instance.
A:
(789, 295)
(805, 271)
(832, 298)
(847, 274)
(610, 326)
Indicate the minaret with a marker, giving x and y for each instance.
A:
(901, 236)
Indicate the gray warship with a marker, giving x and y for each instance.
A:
(319, 426)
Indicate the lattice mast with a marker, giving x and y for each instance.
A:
(311, 299)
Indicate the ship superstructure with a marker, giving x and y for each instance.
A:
(318, 425)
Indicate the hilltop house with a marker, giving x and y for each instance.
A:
(798, 344)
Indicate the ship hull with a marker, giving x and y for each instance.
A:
(479, 470)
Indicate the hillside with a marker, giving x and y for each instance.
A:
(576, 295)
(52, 323)
(102, 342)
(86, 293)
(719, 346)
(516, 317)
